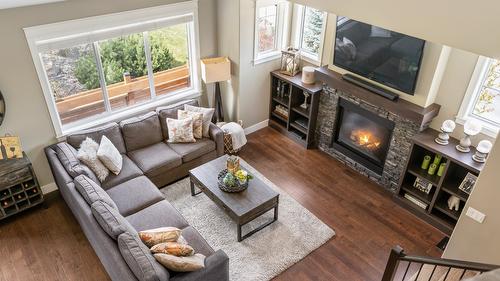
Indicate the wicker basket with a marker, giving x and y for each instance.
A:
(228, 141)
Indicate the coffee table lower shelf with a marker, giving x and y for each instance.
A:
(244, 219)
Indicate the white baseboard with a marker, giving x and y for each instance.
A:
(256, 127)
(49, 188)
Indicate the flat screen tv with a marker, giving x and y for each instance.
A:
(390, 58)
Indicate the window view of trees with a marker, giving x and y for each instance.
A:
(312, 29)
(266, 26)
(73, 73)
(487, 104)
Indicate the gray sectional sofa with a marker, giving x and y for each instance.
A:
(149, 162)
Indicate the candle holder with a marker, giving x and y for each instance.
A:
(447, 128)
(290, 61)
(471, 128)
(482, 151)
(306, 96)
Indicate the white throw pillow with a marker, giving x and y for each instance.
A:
(197, 121)
(110, 156)
(180, 130)
(88, 155)
(207, 116)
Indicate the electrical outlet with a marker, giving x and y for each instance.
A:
(475, 215)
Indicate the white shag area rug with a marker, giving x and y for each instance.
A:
(265, 254)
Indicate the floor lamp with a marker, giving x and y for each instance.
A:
(215, 70)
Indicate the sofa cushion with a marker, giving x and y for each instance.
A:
(67, 154)
(173, 248)
(180, 131)
(110, 156)
(181, 264)
(110, 220)
(140, 260)
(155, 159)
(157, 215)
(129, 171)
(155, 236)
(134, 195)
(141, 131)
(191, 151)
(87, 153)
(92, 192)
(207, 116)
(170, 111)
(195, 240)
(111, 131)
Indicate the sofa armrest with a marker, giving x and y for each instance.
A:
(216, 269)
(217, 135)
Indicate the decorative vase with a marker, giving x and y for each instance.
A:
(471, 128)
(446, 129)
(233, 164)
(482, 151)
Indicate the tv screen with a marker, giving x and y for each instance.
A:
(390, 58)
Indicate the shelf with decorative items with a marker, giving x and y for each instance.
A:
(293, 106)
(438, 178)
(19, 188)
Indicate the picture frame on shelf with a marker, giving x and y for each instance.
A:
(422, 185)
(468, 183)
(10, 148)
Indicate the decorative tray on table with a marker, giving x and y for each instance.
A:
(237, 186)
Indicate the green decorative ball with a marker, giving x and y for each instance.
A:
(229, 180)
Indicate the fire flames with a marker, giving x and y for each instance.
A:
(365, 139)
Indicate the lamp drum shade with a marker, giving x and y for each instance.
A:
(215, 69)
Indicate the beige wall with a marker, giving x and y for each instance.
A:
(475, 241)
(461, 24)
(27, 114)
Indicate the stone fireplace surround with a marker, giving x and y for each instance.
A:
(409, 119)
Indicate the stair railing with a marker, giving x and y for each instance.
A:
(397, 255)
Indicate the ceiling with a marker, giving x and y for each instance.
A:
(7, 4)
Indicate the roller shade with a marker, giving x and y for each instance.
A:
(98, 34)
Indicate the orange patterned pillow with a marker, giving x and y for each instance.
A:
(159, 235)
(180, 130)
(197, 121)
(173, 248)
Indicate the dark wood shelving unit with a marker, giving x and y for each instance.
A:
(288, 91)
(458, 164)
(19, 188)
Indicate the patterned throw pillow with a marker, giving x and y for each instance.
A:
(110, 156)
(197, 121)
(180, 130)
(159, 235)
(181, 264)
(88, 155)
(173, 248)
(207, 116)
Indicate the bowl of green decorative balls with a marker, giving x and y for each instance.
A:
(233, 182)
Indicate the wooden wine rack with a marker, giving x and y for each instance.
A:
(19, 188)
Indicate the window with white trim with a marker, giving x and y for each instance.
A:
(93, 75)
(270, 29)
(482, 100)
(308, 33)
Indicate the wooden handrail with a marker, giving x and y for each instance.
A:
(397, 255)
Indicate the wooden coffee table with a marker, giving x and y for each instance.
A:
(242, 207)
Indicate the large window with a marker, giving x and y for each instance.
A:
(308, 32)
(482, 100)
(270, 29)
(92, 76)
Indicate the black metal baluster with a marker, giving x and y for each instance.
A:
(432, 273)
(406, 271)
(419, 270)
(463, 273)
(447, 272)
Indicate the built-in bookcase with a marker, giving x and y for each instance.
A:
(287, 94)
(435, 207)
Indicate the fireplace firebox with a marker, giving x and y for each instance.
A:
(362, 135)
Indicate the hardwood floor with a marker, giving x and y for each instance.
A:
(48, 244)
